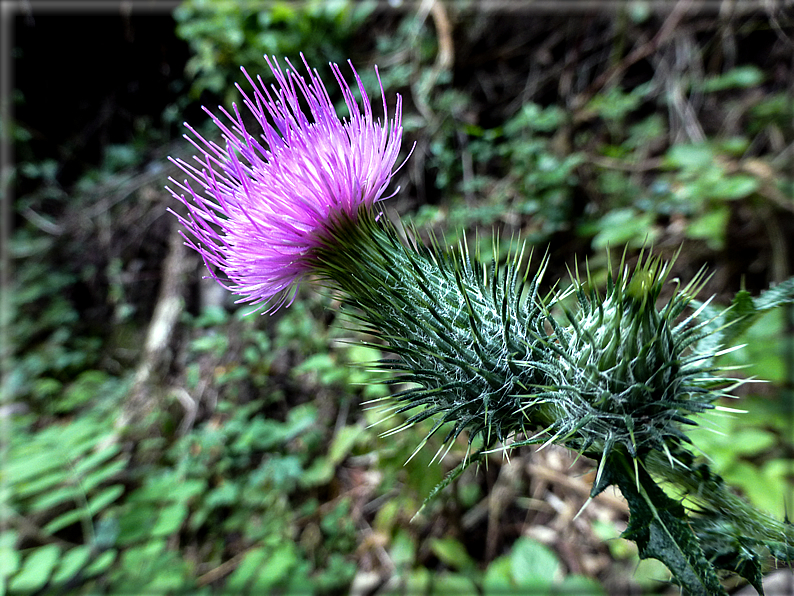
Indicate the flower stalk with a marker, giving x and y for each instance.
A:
(617, 377)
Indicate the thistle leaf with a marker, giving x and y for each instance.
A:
(726, 547)
(724, 328)
(781, 294)
(660, 527)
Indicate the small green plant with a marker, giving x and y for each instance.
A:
(61, 483)
(226, 35)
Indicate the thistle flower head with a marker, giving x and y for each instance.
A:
(260, 203)
(632, 372)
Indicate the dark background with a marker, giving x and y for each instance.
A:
(85, 81)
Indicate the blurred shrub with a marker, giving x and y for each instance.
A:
(225, 35)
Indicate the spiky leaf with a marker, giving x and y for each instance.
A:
(660, 527)
(722, 329)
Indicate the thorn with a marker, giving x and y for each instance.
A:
(669, 455)
(731, 410)
(440, 449)
(576, 459)
(505, 453)
(600, 470)
(418, 448)
(583, 507)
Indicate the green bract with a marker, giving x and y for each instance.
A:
(628, 372)
(618, 378)
(469, 338)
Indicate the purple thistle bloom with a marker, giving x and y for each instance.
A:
(265, 202)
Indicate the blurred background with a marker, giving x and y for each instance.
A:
(159, 440)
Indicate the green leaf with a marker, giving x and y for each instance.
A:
(711, 227)
(101, 563)
(276, 568)
(248, 568)
(418, 581)
(52, 498)
(403, 550)
(660, 527)
(39, 484)
(734, 187)
(724, 328)
(22, 466)
(104, 498)
(498, 577)
(135, 521)
(622, 226)
(299, 419)
(185, 490)
(225, 494)
(8, 538)
(534, 566)
(9, 562)
(95, 505)
(778, 295)
(579, 585)
(689, 157)
(71, 563)
(65, 520)
(453, 583)
(320, 472)
(170, 519)
(752, 441)
(452, 553)
(739, 77)
(103, 474)
(36, 569)
(210, 343)
(89, 463)
(343, 443)
(144, 560)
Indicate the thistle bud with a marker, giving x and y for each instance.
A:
(629, 376)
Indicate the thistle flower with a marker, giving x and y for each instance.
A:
(265, 202)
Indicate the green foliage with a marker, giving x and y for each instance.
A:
(227, 35)
(543, 180)
(517, 168)
(748, 449)
(63, 480)
(53, 365)
(723, 328)
(701, 186)
(89, 513)
(541, 162)
(529, 567)
(738, 78)
(533, 568)
(66, 478)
